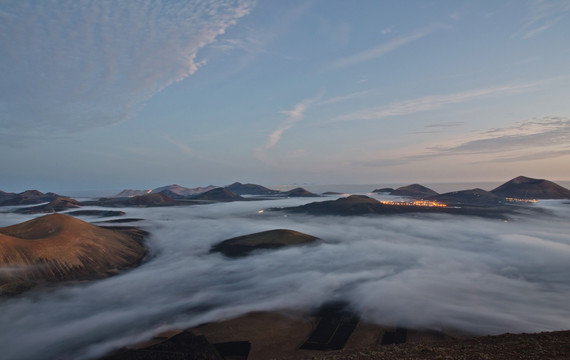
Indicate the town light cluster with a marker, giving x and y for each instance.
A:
(510, 199)
(414, 203)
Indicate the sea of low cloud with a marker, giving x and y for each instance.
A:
(484, 276)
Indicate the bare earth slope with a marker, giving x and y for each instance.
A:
(60, 247)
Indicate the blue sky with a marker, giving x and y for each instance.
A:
(137, 94)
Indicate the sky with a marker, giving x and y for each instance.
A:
(140, 94)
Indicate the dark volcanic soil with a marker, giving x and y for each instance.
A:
(281, 335)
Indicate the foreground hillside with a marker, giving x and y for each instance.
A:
(284, 336)
(546, 345)
(59, 247)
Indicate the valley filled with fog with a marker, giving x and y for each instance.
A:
(434, 271)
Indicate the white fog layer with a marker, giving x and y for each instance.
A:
(484, 276)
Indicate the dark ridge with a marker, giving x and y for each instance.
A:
(476, 197)
(250, 189)
(182, 191)
(56, 205)
(299, 192)
(150, 200)
(383, 190)
(352, 205)
(218, 194)
(273, 239)
(99, 213)
(414, 190)
(523, 187)
(119, 221)
(147, 200)
(28, 197)
(364, 205)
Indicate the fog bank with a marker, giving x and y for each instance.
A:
(441, 272)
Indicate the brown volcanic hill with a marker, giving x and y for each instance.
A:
(250, 189)
(59, 247)
(523, 187)
(300, 192)
(28, 197)
(56, 205)
(218, 194)
(414, 190)
(272, 239)
(468, 197)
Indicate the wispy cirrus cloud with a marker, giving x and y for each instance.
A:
(528, 135)
(439, 127)
(431, 102)
(384, 48)
(537, 30)
(536, 139)
(294, 115)
(78, 65)
(182, 147)
(542, 15)
(342, 98)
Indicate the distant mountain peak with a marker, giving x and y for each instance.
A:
(523, 187)
(250, 189)
(183, 191)
(414, 190)
(525, 180)
(218, 194)
(300, 192)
